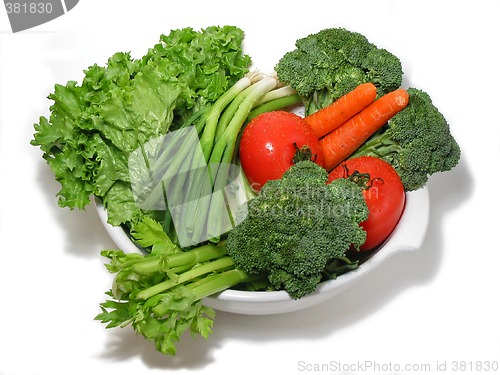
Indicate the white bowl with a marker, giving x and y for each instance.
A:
(408, 236)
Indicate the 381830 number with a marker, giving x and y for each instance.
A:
(474, 366)
(28, 8)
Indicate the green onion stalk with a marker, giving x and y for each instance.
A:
(194, 174)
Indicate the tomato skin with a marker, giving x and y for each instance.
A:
(385, 198)
(269, 143)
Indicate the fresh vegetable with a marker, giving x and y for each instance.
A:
(155, 140)
(331, 117)
(94, 127)
(383, 192)
(283, 98)
(345, 140)
(274, 141)
(125, 135)
(417, 142)
(297, 227)
(332, 62)
(189, 177)
(160, 294)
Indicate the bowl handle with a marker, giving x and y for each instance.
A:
(411, 229)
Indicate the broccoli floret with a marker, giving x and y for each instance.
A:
(326, 65)
(296, 226)
(383, 70)
(417, 142)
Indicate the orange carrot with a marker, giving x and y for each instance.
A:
(343, 141)
(331, 117)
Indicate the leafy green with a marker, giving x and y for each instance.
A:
(148, 233)
(162, 319)
(93, 127)
(160, 293)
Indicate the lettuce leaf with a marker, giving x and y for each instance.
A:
(94, 126)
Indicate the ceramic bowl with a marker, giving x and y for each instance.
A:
(407, 236)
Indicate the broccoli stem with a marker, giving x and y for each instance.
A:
(379, 145)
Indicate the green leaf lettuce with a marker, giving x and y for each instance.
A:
(94, 126)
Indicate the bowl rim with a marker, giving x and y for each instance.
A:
(407, 236)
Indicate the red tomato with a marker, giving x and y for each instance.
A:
(271, 141)
(383, 192)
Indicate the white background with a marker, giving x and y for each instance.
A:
(437, 305)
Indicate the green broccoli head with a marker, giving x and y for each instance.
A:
(417, 142)
(326, 65)
(296, 225)
(383, 69)
(295, 286)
